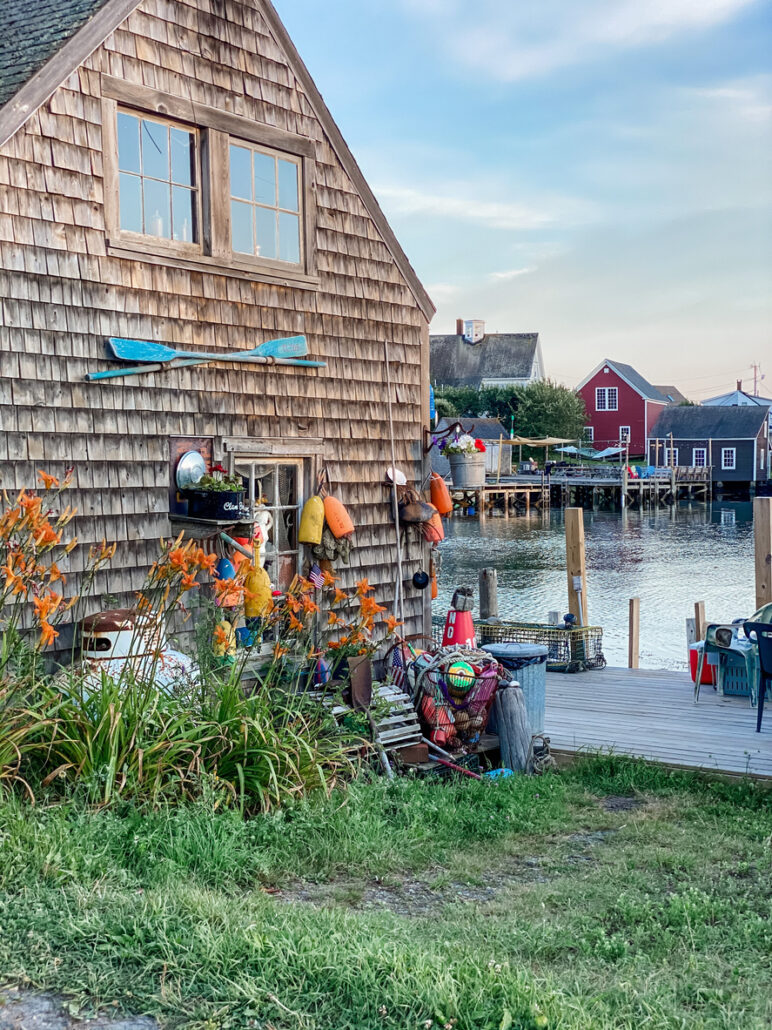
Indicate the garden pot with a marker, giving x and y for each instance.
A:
(467, 470)
(215, 504)
(358, 671)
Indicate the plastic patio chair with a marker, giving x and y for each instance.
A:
(723, 639)
(763, 633)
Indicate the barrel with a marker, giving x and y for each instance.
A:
(529, 663)
(467, 470)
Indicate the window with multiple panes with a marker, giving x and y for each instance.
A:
(606, 398)
(729, 458)
(158, 178)
(226, 193)
(265, 204)
(277, 486)
(624, 434)
(589, 433)
(699, 457)
(671, 456)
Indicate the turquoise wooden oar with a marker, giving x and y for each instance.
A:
(160, 357)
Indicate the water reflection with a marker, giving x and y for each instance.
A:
(670, 558)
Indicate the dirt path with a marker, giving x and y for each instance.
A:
(26, 1010)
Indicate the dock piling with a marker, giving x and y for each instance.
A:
(762, 537)
(575, 564)
(699, 620)
(489, 593)
(634, 634)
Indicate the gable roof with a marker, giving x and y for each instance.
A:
(703, 423)
(631, 377)
(738, 397)
(455, 362)
(671, 394)
(43, 41)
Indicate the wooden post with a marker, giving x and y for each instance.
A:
(709, 491)
(762, 535)
(634, 638)
(501, 450)
(488, 582)
(575, 564)
(514, 729)
(699, 620)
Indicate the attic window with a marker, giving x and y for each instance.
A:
(157, 178)
(265, 203)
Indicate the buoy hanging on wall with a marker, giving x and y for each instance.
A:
(338, 519)
(440, 495)
(312, 521)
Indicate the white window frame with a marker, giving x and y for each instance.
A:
(671, 457)
(725, 459)
(700, 464)
(600, 398)
(612, 390)
(624, 434)
(589, 434)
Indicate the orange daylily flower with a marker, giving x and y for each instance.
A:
(391, 624)
(335, 620)
(188, 582)
(279, 650)
(46, 480)
(339, 596)
(363, 587)
(47, 634)
(369, 607)
(45, 606)
(47, 537)
(329, 579)
(309, 606)
(178, 559)
(220, 635)
(296, 624)
(54, 573)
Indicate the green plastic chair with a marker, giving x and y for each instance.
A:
(732, 655)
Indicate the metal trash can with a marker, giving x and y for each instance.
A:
(529, 663)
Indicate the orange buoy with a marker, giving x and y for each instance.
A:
(440, 495)
(338, 519)
(433, 530)
(434, 586)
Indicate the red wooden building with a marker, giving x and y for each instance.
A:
(621, 406)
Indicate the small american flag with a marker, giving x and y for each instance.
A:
(316, 576)
(397, 667)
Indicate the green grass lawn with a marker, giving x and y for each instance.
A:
(542, 902)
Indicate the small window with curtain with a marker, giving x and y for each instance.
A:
(158, 179)
(266, 205)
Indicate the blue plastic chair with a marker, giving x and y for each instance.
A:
(763, 633)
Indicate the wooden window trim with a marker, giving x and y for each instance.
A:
(217, 129)
(728, 451)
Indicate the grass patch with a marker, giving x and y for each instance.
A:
(657, 916)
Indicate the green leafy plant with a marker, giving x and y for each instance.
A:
(219, 480)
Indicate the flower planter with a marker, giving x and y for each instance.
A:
(467, 471)
(215, 504)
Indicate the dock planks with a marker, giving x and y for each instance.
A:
(651, 714)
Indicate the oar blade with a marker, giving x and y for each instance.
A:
(287, 347)
(139, 351)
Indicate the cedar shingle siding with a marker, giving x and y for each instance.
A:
(63, 292)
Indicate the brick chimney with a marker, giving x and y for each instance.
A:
(460, 327)
(739, 384)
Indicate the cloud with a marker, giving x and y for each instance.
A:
(514, 41)
(460, 202)
(512, 273)
(748, 99)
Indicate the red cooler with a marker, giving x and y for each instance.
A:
(708, 671)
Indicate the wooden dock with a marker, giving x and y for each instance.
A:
(651, 714)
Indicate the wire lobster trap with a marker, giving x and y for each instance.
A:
(568, 650)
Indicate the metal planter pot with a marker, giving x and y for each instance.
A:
(467, 470)
(214, 504)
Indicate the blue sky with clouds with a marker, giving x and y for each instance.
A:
(599, 171)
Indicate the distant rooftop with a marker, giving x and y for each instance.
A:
(454, 361)
(698, 422)
(671, 393)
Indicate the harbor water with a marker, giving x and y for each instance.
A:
(670, 558)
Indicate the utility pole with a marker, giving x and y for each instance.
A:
(756, 370)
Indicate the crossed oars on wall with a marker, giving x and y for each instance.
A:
(156, 357)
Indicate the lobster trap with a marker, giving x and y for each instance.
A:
(568, 650)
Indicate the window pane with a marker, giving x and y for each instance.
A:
(157, 222)
(241, 173)
(265, 485)
(265, 178)
(286, 570)
(288, 185)
(183, 157)
(289, 238)
(266, 232)
(286, 529)
(183, 215)
(288, 493)
(155, 150)
(131, 202)
(242, 239)
(128, 143)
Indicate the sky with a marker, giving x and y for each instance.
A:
(599, 171)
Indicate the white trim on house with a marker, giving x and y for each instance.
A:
(725, 451)
(624, 434)
(703, 451)
(624, 379)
